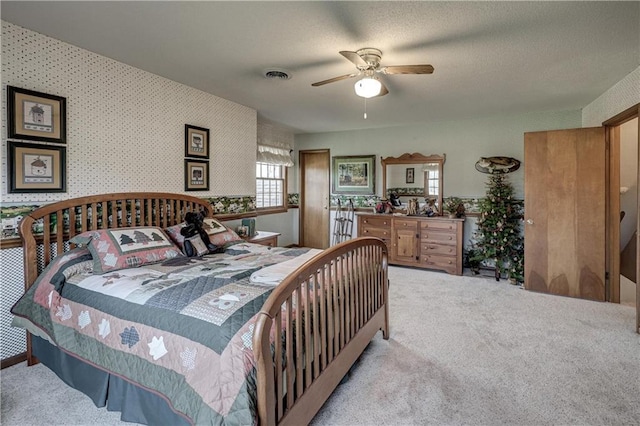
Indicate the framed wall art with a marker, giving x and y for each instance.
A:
(196, 175)
(354, 175)
(36, 116)
(196, 141)
(409, 175)
(36, 168)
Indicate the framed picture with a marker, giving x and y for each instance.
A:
(196, 141)
(36, 168)
(354, 175)
(196, 175)
(36, 116)
(410, 172)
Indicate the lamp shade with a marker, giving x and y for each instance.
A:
(368, 87)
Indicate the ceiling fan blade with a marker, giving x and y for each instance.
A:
(383, 91)
(354, 58)
(334, 79)
(407, 69)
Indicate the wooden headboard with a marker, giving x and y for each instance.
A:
(42, 234)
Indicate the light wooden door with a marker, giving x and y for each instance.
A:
(405, 239)
(406, 246)
(314, 198)
(565, 212)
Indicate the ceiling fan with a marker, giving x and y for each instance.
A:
(367, 61)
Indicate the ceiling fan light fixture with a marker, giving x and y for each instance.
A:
(368, 87)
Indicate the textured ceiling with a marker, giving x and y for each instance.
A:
(490, 58)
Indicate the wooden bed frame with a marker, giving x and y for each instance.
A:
(343, 295)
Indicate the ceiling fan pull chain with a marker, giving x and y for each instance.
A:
(365, 108)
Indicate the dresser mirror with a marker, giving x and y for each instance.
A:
(413, 176)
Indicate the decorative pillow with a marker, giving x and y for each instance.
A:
(122, 248)
(194, 246)
(219, 234)
(174, 233)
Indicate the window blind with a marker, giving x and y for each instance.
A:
(273, 155)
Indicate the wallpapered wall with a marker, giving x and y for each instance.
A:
(623, 95)
(125, 126)
(125, 132)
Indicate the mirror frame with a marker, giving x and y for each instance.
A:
(415, 158)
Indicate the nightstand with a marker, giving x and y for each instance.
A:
(265, 238)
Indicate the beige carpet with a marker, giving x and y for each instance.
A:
(463, 350)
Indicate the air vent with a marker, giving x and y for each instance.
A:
(277, 74)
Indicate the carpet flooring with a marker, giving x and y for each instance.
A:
(462, 351)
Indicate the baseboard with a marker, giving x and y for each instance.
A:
(16, 359)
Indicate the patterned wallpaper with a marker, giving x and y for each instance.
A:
(624, 94)
(125, 126)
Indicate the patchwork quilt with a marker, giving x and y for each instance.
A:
(182, 329)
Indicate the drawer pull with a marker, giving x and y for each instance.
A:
(366, 231)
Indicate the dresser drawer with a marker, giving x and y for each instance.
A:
(439, 226)
(405, 224)
(438, 237)
(383, 233)
(432, 248)
(378, 222)
(446, 263)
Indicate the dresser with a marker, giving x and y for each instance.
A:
(423, 242)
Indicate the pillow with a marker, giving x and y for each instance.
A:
(122, 248)
(174, 233)
(219, 234)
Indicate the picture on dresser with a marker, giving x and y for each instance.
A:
(354, 175)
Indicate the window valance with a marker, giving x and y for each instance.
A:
(274, 155)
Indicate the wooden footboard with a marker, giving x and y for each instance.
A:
(324, 314)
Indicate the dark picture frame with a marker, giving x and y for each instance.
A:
(36, 167)
(196, 142)
(410, 175)
(36, 116)
(196, 175)
(354, 174)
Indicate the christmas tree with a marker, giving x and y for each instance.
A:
(498, 238)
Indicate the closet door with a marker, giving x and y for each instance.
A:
(314, 198)
(565, 212)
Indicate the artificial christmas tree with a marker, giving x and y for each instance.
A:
(498, 238)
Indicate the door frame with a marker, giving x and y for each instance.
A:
(301, 173)
(612, 289)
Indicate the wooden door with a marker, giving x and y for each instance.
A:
(405, 241)
(314, 198)
(565, 207)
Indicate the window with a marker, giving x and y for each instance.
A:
(270, 186)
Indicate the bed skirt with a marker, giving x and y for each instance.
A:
(135, 404)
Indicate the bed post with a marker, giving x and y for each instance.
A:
(30, 268)
(264, 370)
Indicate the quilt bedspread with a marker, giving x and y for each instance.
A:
(182, 329)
